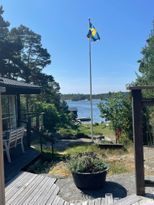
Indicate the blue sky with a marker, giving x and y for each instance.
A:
(123, 26)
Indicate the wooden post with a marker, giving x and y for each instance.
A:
(18, 111)
(2, 187)
(138, 140)
(29, 123)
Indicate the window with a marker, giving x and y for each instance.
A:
(9, 112)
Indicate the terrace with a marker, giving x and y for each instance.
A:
(27, 188)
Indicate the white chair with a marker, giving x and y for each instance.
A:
(14, 137)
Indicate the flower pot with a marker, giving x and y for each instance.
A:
(90, 181)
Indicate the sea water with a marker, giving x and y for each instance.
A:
(83, 108)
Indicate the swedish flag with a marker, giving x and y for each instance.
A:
(93, 34)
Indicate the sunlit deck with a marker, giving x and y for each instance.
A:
(29, 188)
(33, 189)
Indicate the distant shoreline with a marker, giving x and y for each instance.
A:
(78, 96)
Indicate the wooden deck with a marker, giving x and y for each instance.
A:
(19, 161)
(33, 189)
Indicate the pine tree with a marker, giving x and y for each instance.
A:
(34, 57)
(146, 67)
(10, 50)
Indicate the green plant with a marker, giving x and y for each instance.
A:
(125, 140)
(117, 109)
(86, 163)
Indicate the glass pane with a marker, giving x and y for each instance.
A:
(9, 111)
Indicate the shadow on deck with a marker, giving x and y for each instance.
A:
(19, 161)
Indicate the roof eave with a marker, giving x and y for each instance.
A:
(11, 90)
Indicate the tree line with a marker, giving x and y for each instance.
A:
(78, 96)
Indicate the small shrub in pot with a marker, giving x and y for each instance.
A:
(88, 170)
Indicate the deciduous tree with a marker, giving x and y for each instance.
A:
(117, 109)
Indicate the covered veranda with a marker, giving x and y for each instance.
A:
(10, 91)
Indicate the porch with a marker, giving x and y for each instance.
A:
(10, 119)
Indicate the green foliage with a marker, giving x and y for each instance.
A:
(33, 56)
(146, 77)
(86, 163)
(88, 147)
(117, 109)
(146, 67)
(10, 48)
(101, 129)
(24, 57)
(53, 118)
(84, 129)
(74, 150)
(125, 140)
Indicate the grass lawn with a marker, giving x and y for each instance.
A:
(98, 129)
(120, 161)
(115, 158)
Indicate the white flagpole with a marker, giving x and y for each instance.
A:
(90, 73)
(2, 187)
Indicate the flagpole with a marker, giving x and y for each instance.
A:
(90, 73)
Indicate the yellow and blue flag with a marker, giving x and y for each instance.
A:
(93, 34)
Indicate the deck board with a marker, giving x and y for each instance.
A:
(28, 191)
(11, 183)
(47, 195)
(12, 190)
(52, 196)
(43, 193)
(29, 188)
(39, 198)
(23, 191)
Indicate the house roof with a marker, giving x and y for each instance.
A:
(18, 87)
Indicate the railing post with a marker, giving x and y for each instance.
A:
(2, 187)
(138, 140)
(29, 132)
(39, 132)
(18, 111)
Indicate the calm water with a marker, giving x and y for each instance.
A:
(83, 107)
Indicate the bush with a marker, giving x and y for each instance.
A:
(117, 109)
(86, 163)
(54, 118)
(125, 140)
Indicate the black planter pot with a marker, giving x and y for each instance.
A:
(90, 181)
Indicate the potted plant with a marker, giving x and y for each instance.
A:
(88, 171)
